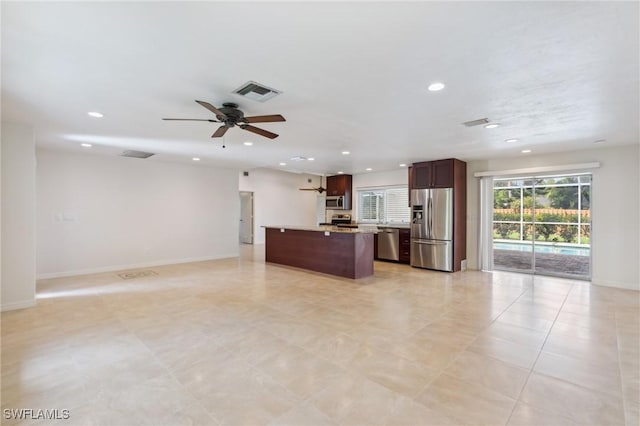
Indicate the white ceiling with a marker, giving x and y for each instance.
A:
(354, 76)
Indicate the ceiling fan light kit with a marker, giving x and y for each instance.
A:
(231, 116)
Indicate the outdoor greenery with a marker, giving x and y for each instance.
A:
(515, 201)
(552, 233)
(562, 194)
(540, 217)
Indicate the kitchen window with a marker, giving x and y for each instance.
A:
(383, 205)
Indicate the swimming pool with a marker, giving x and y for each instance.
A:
(543, 248)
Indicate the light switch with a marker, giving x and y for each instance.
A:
(327, 233)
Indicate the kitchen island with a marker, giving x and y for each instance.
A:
(345, 252)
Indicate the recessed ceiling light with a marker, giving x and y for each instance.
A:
(283, 164)
(95, 114)
(248, 143)
(340, 173)
(600, 141)
(403, 165)
(310, 159)
(526, 151)
(434, 87)
(86, 145)
(195, 159)
(491, 125)
(512, 140)
(346, 152)
(368, 169)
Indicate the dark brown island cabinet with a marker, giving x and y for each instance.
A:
(448, 173)
(344, 252)
(340, 185)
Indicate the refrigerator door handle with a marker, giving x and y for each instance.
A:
(430, 242)
(430, 217)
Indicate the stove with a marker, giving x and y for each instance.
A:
(341, 219)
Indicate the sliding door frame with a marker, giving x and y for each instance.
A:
(534, 270)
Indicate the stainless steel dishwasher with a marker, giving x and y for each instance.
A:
(389, 243)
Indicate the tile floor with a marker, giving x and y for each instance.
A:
(239, 342)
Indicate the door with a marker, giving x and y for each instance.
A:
(442, 174)
(513, 225)
(440, 214)
(421, 175)
(542, 225)
(337, 185)
(432, 254)
(562, 226)
(419, 199)
(246, 217)
(388, 243)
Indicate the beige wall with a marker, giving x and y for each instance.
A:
(615, 209)
(18, 217)
(98, 213)
(278, 200)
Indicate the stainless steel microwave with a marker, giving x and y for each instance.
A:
(335, 202)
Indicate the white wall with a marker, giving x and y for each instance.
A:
(18, 216)
(615, 208)
(379, 179)
(278, 201)
(98, 213)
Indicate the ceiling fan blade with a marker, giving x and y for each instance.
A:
(258, 131)
(220, 132)
(264, 119)
(192, 119)
(213, 109)
(319, 190)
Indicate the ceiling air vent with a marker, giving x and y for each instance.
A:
(137, 154)
(479, 122)
(256, 91)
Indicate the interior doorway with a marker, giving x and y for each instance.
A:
(542, 225)
(246, 217)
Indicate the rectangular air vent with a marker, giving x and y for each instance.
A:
(256, 91)
(137, 154)
(478, 122)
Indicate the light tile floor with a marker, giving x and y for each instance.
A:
(237, 341)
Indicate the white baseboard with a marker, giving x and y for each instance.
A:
(12, 306)
(616, 284)
(132, 266)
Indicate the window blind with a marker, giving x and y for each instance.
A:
(383, 205)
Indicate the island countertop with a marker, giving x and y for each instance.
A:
(326, 228)
(345, 252)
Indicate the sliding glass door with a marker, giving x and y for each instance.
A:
(543, 225)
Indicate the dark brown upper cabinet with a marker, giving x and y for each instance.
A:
(340, 185)
(432, 174)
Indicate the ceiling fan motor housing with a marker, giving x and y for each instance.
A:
(233, 114)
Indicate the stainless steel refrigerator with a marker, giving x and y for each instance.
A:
(432, 229)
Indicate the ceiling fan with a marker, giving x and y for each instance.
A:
(231, 116)
(320, 189)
